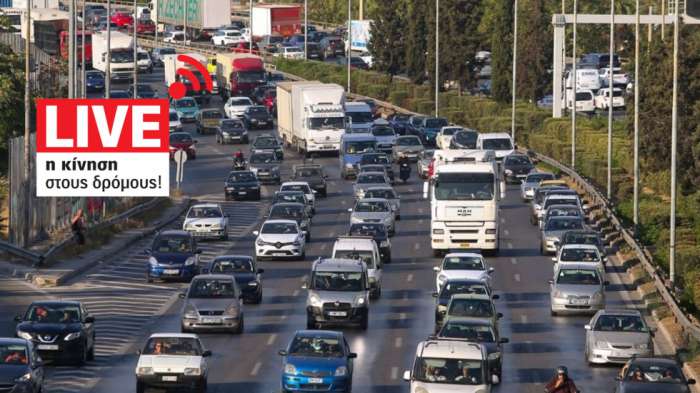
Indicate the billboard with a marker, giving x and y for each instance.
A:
(360, 34)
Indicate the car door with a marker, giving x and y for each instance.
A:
(349, 360)
(88, 327)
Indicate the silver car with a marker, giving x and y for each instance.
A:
(577, 288)
(615, 336)
(407, 146)
(388, 193)
(212, 302)
(369, 179)
(206, 220)
(553, 230)
(531, 182)
(373, 210)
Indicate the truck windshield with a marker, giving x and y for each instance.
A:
(360, 117)
(327, 123)
(250, 76)
(122, 56)
(464, 187)
(449, 371)
(359, 147)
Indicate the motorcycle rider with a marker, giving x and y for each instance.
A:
(561, 383)
(238, 159)
(404, 168)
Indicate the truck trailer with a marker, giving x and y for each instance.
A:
(122, 65)
(238, 74)
(276, 19)
(201, 14)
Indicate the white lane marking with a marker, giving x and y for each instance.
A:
(405, 296)
(323, 246)
(394, 373)
(402, 315)
(342, 202)
(510, 245)
(398, 342)
(271, 339)
(420, 221)
(416, 246)
(409, 278)
(295, 293)
(517, 277)
(513, 261)
(283, 317)
(331, 183)
(506, 232)
(256, 369)
(411, 190)
(523, 318)
(420, 210)
(503, 220)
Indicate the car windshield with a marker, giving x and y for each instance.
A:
(579, 254)
(172, 116)
(454, 288)
(94, 75)
(563, 224)
(408, 142)
(383, 131)
(180, 138)
(464, 187)
(542, 192)
(374, 159)
(371, 178)
(518, 160)
(381, 193)
(371, 207)
(15, 354)
(360, 255)
(296, 187)
(231, 265)
(185, 103)
(308, 172)
(372, 168)
(497, 144)
(173, 346)
(205, 212)
(53, 313)
(316, 346)
(172, 244)
(338, 281)
(449, 371)
(239, 102)
(435, 123)
(231, 125)
(360, 117)
(262, 158)
(581, 238)
(289, 197)
(142, 56)
(212, 115)
(578, 277)
(374, 230)
(241, 177)
(572, 211)
(538, 177)
(466, 138)
(212, 288)
(265, 143)
(287, 211)
(250, 77)
(359, 147)
(654, 373)
(620, 323)
(257, 109)
(463, 263)
(479, 308)
(560, 201)
(427, 154)
(468, 331)
(279, 228)
(326, 123)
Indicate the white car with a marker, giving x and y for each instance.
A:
(206, 221)
(585, 101)
(444, 137)
(174, 121)
(304, 187)
(172, 360)
(291, 52)
(367, 58)
(280, 239)
(143, 61)
(619, 78)
(226, 37)
(602, 100)
(236, 106)
(580, 254)
(176, 37)
(462, 265)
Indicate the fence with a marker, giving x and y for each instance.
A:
(48, 74)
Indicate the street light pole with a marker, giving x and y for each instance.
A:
(610, 95)
(83, 92)
(575, 90)
(635, 214)
(136, 56)
(71, 50)
(27, 110)
(515, 65)
(108, 68)
(349, 52)
(674, 147)
(437, 56)
(250, 26)
(306, 28)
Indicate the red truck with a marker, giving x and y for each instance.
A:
(281, 19)
(237, 74)
(143, 27)
(122, 19)
(63, 39)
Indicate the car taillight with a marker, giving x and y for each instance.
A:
(431, 167)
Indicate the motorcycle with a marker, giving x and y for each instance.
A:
(239, 165)
(404, 172)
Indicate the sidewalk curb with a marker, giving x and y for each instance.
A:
(44, 281)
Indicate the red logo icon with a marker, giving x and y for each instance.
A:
(178, 89)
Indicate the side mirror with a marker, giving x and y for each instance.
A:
(436, 268)
(425, 190)
(406, 375)
(587, 327)
(499, 315)
(435, 294)
(182, 295)
(282, 352)
(256, 233)
(206, 353)
(89, 319)
(495, 297)
(504, 340)
(260, 271)
(691, 381)
(138, 352)
(18, 318)
(352, 355)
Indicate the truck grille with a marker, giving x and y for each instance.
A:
(336, 306)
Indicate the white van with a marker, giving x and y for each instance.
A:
(586, 79)
(500, 142)
(363, 248)
(585, 101)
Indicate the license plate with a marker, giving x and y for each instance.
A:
(464, 245)
(211, 320)
(280, 254)
(171, 271)
(45, 347)
(578, 301)
(241, 193)
(337, 313)
(315, 380)
(169, 378)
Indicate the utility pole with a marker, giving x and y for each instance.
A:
(635, 213)
(250, 26)
(306, 28)
(83, 88)
(437, 56)
(184, 21)
(136, 55)
(27, 110)
(663, 21)
(563, 57)
(649, 26)
(349, 52)
(108, 74)
(575, 90)
(610, 98)
(155, 12)
(674, 146)
(71, 50)
(515, 65)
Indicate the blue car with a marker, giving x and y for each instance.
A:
(173, 256)
(186, 108)
(352, 147)
(317, 360)
(94, 81)
(429, 129)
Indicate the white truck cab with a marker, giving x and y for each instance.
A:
(362, 248)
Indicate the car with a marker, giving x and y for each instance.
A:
(462, 265)
(399, 121)
(516, 167)
(242, 184)
(304, 187)
(144, 62)
(366, 180)
(236, 106)
(602, 99)
(176, 37)
(500, 142)
(620, 78)
(407, 146)
(477, 331)
(373, 210)
(208, 120)
(314, 175)
(212, 303)
(143, 26)
(257, 116)
(173, 255)
(265, 166)
(529, 184)
(363, 249)
(561, 211)
(580, 253)
(388, 193)
(157, 55)
(454, 287)
(174, 123)
(292, 211)
(386, 137)
(292, 197)
(337, 293)
(94, 81)
(560, 201)
(583, 237)
(356, 62)
(352, 148)
(464, 139)
(444, 136)
(541, 193)
(318, 358)
(172, 360)
(182, 141)
(280, 239)
(231, 131)
(206, 220)
(226, 37)
(120, 95)
(201, 95)
(122, 19)
(267, 143)
(186, 108)
(359, 118)
(598, 60)
(477, 307)
(21, 367)
(577, 288)
(429, 129)
(554, 228)
(423, 163)
(269, 42)
(376, 231)
(331, 47)
(61, 331)
(244, 270)
(291, 52)
(585, 101)
(616, 336)
(373, 168)
(313, 50)
(378, 159)
(652, 374)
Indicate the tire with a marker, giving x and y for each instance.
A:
(303, 255)
(239, 329)
(91, 353)
(257, 196)
(364, 323)
(398, 217)
(437, 253)
(140, 388)
(245, 140)
(149, 279)
(225, 236)
(310, 323)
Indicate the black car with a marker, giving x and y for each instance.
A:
(121, 94)
(245, 272)
(231, 130)
(173, 256)
(465, 139)
(292, 211)
(380, 235)
(312, 174)
(516, 167)
(583, 237)
(242, 184)
(455, 287)
(94, 81)
(313, 50)
(378, 159)
(355, 62)
(61, 331)
(652, 375)
(399, 122)
(267, 143)
(21, 368)
(257, 116)
(293, 197)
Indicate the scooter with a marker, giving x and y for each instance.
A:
(404, 172)
(239, 165)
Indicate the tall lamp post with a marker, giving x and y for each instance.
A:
(437, 56)
(349, 52)
(136, 56)
(610, 96)
(574, 91)
(635, 213)
(515, 65)
(27, 110)
(674, 147)
(306, 29)
(83, 92)
(108, 74)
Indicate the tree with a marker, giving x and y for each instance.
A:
(416, 42)
(387, 39)
(11, 99)
(533, 46)
(501, 37)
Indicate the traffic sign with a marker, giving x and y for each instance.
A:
(180, 157)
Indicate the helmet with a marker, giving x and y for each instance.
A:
(562, 370)
(239, 154)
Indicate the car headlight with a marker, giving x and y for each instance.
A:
(509, 172)
(441, 277)
(276, 170)
(25, 335)
(190, 312)
(231, 310)
(145, 371)
(494, 356)
(72, 336)
(260, 242)
(348, 165)
(373, 280)
(442, 309)
(297, 243)
(225, 133)
(216, 226)
(290, 369)
(24, 378)
(253, 283)
(189, 261)
(552, 239)
(341, 371)
(558, 295)
(360, 301)
(193, 371)
(153, 261)
(315, 301)
(597, 296)
(438, 231)
(601, 344)
(355, 219)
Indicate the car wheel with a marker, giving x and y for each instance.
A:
(202, 388)
(398, 217)
(324, 193)
(258, 299)
(240, 328)
(245, 140)
(364, 323)
(91, 353)
(257, 196)
(310, 322)
(308, 236)
(303, 255)
(552, 313)
(140, 388)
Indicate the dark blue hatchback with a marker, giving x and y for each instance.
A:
(174, 255)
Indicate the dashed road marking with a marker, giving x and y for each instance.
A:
(398, 341)
(420, 210)
(271, 339)
(295, 293)
(394, 373)
(503, 220)
(510, 245)
(506, 232)
(256, 369)
(513, 261)
(324, 246)
(409, 278)
(516, 277)
(402, 315)
(523, 318)
(416, 246)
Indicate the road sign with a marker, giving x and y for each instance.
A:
(180, 157)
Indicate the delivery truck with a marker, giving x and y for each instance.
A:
(122, 64)
(55, 21)
(201, 14)
(276, 19)
(238, 74)
(310, 115)
(170, 66)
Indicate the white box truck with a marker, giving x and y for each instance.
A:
(201, 14)
(464, 191)
(310, 115)
(122, 64)
(171, 64)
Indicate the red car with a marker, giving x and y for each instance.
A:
(122, 19)
(143, 27)
(183, 141)
(244, 47)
